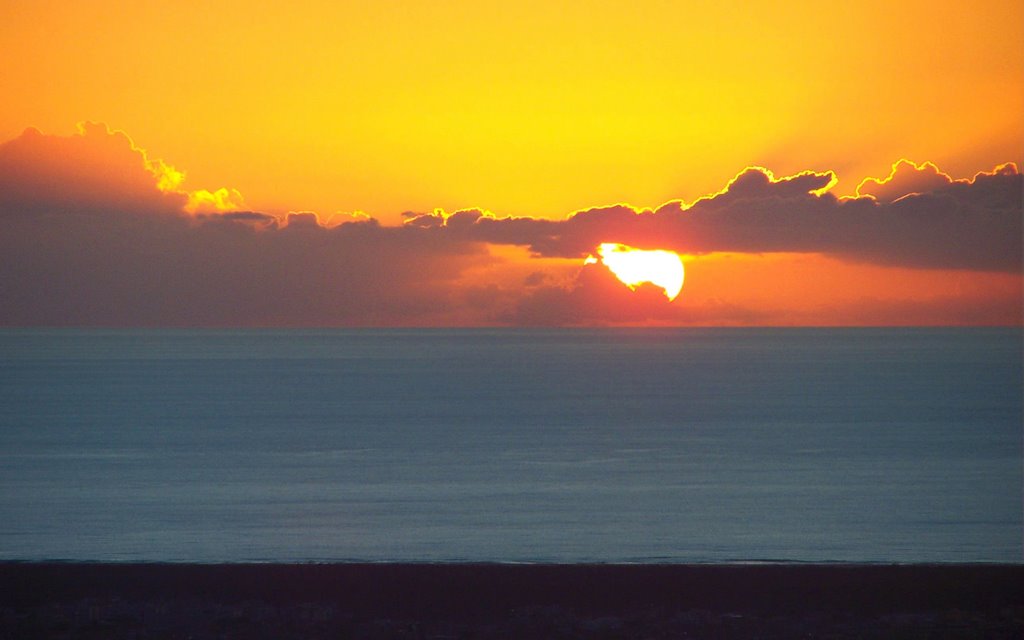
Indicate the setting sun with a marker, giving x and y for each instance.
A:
(458, 174)
(636, 266)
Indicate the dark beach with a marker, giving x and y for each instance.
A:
(75, 600)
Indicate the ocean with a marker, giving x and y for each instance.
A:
(603, 445)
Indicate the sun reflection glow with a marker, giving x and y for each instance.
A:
(635, 266)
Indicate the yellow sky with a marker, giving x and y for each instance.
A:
(532, 108)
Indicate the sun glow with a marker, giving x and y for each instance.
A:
(635, 266)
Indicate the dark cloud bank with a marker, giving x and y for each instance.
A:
(89, 235)
(972, 225)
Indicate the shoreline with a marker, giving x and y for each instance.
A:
(423, 600)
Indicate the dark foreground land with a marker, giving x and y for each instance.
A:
(437, 601)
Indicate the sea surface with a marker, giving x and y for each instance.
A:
(631, 445)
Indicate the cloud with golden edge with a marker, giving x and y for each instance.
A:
(973, 224)
(98, 168)
(94, 232)
(223, 199)
(906, 178)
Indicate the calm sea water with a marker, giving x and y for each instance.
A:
(694, 445)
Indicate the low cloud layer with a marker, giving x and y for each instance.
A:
(95, 233)
(90, 235)
(971, 224)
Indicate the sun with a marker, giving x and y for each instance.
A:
(635, 266)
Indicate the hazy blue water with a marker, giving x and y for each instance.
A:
(607, 445)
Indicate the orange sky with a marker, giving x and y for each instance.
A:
(528, 109)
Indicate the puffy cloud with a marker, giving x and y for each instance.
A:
(758, 182)
(89, 236)
(907, 177)
(202, 201)
(96, 170)
(302, 220)
(94, 232)
(971, 224)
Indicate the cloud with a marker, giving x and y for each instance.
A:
(971, 224)
(907, 177)
(595, 297)
(220, 200)
(94, 171)
(95, 232)
(758, 182)
(232, 270)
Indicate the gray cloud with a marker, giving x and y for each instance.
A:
(972, 225)
(88, 237)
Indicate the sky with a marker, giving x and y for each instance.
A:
(456, 163)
